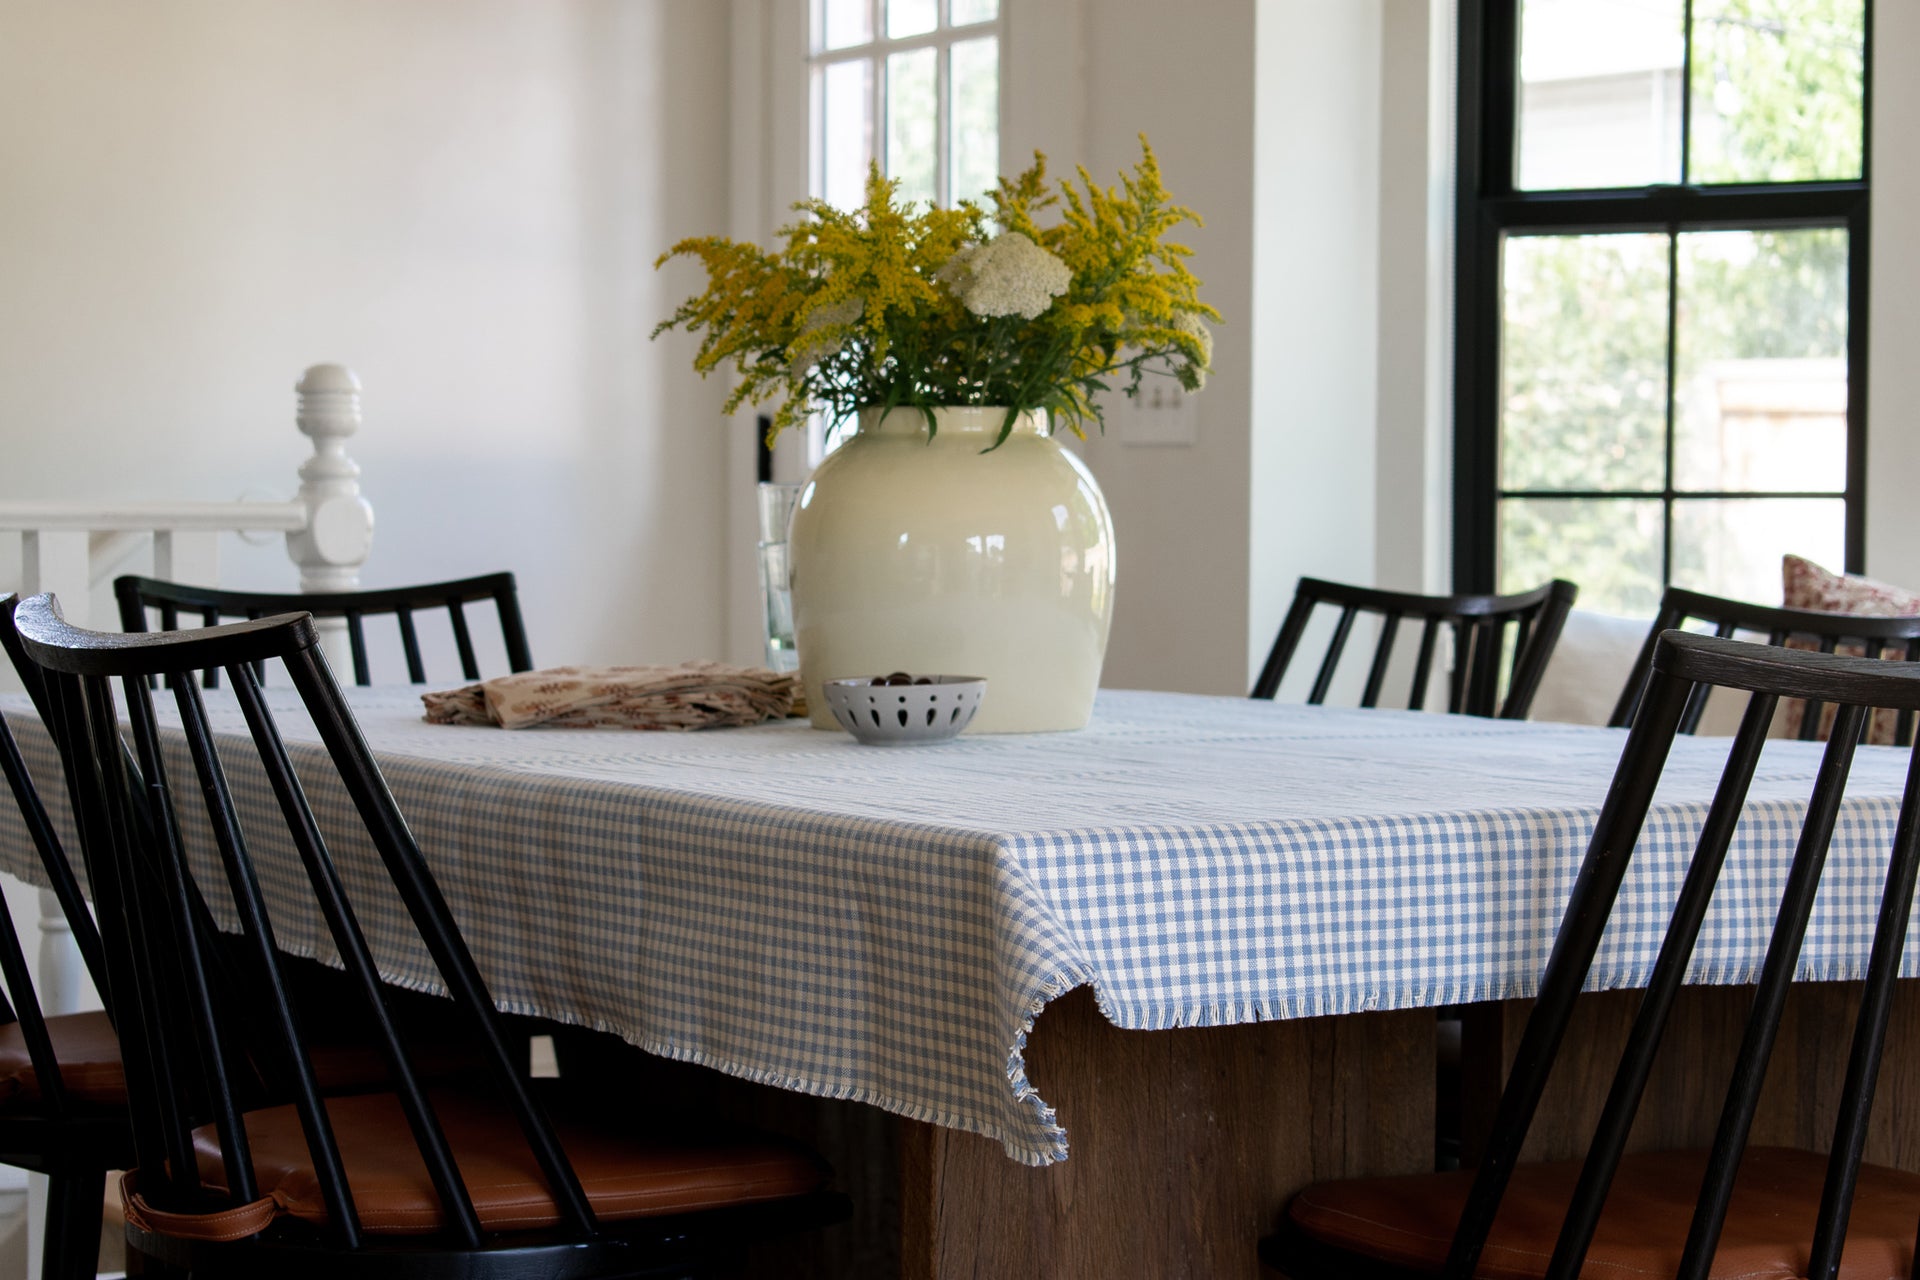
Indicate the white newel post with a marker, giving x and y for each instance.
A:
(339, 529)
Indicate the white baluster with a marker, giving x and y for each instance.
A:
(36, 1222)
(60, 982)
(62, 976)
(339, 531)
(59, 560)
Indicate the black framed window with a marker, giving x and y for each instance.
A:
(1661, 282)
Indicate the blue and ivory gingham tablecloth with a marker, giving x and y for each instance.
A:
(788, 906)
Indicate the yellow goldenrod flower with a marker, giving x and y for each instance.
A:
(902, 306)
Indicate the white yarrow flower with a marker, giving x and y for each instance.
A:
(1189, 323)
(1009, 275)
(1195, 327)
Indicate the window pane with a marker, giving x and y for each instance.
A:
(845, 131)
(913, 123)
(1583, 362)
(840, 23)
(1732, 547)
(1599, 93)
(911, 17)
(1610, 546)
(1777, 90)
(1761, 361)
(966, 11)
(976, 118)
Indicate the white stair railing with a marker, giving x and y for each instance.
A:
(69, 548)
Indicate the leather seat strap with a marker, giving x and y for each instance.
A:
(227, 1224)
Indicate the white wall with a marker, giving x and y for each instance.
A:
(1893, 375)
(1414, 380)
(461, 202)
(1181, 513)
(1317, 280)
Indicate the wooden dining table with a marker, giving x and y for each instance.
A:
(1090, 1003)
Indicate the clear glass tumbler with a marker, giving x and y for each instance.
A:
(776, 510)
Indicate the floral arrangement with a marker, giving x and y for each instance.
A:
(889, 306)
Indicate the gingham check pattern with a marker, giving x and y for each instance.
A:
(884, 925)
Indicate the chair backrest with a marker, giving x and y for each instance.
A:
(1681, 663)
(142, 598)
(1826, 632)
(94, 947)
(21, 1002)
(187, 1074)
(1478, 624)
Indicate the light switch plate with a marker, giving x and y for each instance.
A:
(1162, 415)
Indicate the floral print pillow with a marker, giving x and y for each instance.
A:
(1807, 585)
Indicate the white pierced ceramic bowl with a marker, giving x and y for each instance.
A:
(891, 715)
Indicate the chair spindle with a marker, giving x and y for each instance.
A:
(1377, 670)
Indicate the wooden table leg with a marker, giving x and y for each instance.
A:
(1185, 1145)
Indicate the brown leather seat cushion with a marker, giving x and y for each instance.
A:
(1410, 1221)
(88, 1054)
(89, 1058)
(624, 1176)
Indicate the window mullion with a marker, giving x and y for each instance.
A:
(1697, 208)
(877, 55)
(882, 133)
(1686, 93)
(1673, 367)
(1501, 104)
(1859, 246)
(943, 126)
(878, 60)
(1479, 83)
(1866, 98)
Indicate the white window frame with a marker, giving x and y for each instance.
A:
(942, 38)
(877, 51)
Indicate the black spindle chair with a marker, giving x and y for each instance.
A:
(1872, 637)
(1478, 624)
(142, 598)
(407, 1182)
(63, 1096)
(1766, 1211)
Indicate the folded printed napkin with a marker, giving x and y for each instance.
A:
(692, 695)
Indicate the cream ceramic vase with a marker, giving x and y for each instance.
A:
(940, 557)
